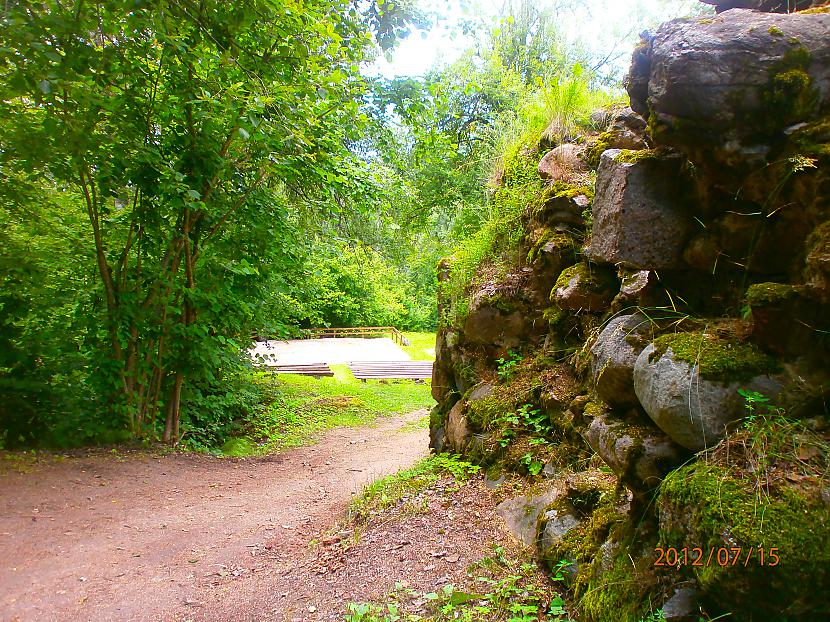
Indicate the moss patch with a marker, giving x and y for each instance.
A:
(718, 359)
(789, 96)
(775, 31)
(582, 271)
(564, 190)
(814, 140)
(765, 294)
(704, 506)
(627, 591)
(630, 156)
(560, 241)
(595, 151)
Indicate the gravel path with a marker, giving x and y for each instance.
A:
(331, 351)
(140, 536)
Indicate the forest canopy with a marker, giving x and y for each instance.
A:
(182, 175)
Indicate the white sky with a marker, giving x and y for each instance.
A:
(600, 25)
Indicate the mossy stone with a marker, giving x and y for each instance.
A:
(718, 359)
(764, 294)
(706, 506)
(629, 156)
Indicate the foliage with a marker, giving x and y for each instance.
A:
(184, 136)
(291, 410)
(507, 365)
(507, 589)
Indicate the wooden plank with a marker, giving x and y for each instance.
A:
(317, 370)
(391, 370)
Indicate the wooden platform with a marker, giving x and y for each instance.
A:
(318, 370)
(380, 370)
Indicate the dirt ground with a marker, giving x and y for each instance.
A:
(141, 536)
(331, 351)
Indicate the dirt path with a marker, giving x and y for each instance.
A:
(140, 536)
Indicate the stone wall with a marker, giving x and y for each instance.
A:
(650, 309)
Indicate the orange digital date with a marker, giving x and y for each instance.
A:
(724, 556)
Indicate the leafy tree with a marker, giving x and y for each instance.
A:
(178, 124)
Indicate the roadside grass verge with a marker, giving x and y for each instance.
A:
(422, 346)
(296, 409)
(402, 488)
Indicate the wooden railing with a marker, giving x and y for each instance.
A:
(357, 331)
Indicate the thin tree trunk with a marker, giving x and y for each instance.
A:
(171, 426)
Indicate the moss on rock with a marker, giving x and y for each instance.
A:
(629, 156)
(595, 151)
(705, 506)
(561, 241)
(790, 95)
(764, 294)
(624, 587)
(718, 359)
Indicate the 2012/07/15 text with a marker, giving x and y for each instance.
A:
(731, 556)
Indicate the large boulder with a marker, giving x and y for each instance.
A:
(640, 456)
(613, 356)
(641, 217)
(724, 89)
(688, 384)
(767, 6)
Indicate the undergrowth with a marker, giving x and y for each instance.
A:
(296, 408)
(499, 588)
(401, 488)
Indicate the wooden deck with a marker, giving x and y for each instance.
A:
(318, 370)
(392, 370)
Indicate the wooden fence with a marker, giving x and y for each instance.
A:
(359, 331)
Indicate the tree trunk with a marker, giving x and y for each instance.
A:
(171, 426)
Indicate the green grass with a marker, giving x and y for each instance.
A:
(497, 587)
(298, 408)
(393, 490)
(422, 346)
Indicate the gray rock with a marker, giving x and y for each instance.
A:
(493, 478)
(723, 81)
(458, 431)
(551, 470)
(607, 554)
(767, 6)
(564, 163)
(557, 524)
(613, 356)
(436, 439)
(683, 606)
(640, 217)
(584, 288)
(522, 514)
(480, 392)
(564, 210)
(693, 411)
(639, 456)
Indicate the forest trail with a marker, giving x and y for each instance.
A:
(140, 536)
